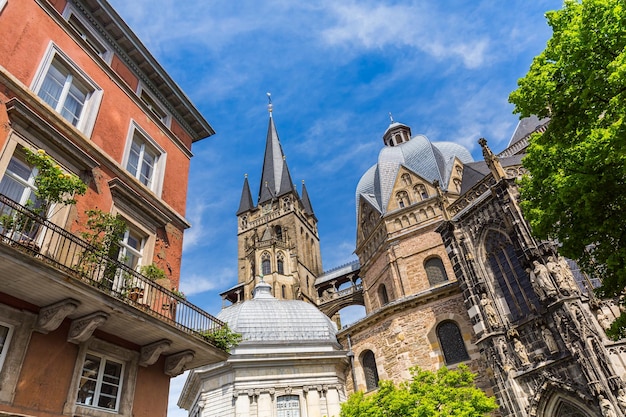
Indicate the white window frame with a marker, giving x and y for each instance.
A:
(4, 348)
(2, 4)
(129, 360)
(14, 351)
(88, 114)
(156, 184)
(142, 91)
(91, 35)
(99, 379)
(286, 407)
(28, 184)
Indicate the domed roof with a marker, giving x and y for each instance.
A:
(267, 319)
(430, 160)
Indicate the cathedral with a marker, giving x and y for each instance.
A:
(448, 272)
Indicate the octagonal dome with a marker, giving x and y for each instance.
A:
(430, 160)
(269, 320)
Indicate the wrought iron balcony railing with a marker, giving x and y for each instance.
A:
(28, 232)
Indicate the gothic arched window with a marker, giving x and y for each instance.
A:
(406, 179)
(403, 199)
(368, 362)
(435, 271)
(383, 297)
(280, 263)
(512, 280)
(283, 291)
(420, 192)
(278, 231)
(266, 266)
(451, 342)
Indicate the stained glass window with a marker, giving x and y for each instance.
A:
(451, 342)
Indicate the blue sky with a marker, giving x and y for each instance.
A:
(336, 69)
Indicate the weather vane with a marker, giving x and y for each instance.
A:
(391, 117)
(269, 99)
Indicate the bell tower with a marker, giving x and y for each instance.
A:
(278, 237)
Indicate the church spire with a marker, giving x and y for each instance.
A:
(245, 204)
(275, 178)
(306, 202)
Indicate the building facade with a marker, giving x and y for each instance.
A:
(288, 364)
(540, 327)
(85, 329)
(449, 273)
(277, 236)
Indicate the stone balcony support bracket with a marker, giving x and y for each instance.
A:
(175, 364)
(150, 353)
(51, 317)
(82, 328)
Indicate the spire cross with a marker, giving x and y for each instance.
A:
(391, 117)
(269, 105)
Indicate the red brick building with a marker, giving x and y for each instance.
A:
(85, 330)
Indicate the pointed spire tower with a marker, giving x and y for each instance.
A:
(278, 238)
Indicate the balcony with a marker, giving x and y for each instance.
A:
(43, 264)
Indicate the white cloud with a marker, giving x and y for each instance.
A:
(196, 284)
(382, 26)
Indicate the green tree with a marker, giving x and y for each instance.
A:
(576, 190)
(428, 394)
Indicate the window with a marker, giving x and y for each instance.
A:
(65, 88)
(18, 182)
(420, 192)
(368, 361)
(155, 107)
(2, 4)
(266, 267)
(131, 248)
(6, 331)
(279, 232)
(403, 199)
(92, 40)
(406, 179)
(513, 281)
(283, 291)
(435, 271)
(288, 406)
(280, 263)
(100, 383)
(457, 185)
(383, 297)
(451, 342)
(145, 160)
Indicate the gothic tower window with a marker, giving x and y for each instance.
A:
(283, 291)
(266, 267)
(451, 342)
(435, 271)
(368, 361)
(403, 199)
(279, 232)
(512, 280)
(280, 263)
(420, 192)
(383, 297)
(457, 185)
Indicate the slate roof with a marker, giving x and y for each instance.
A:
(429, 160)
(275, 177)
(269, 320)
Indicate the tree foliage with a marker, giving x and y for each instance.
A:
(428, 394)
(52, 184)
(576, 190)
